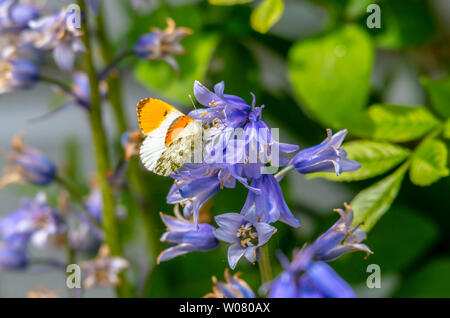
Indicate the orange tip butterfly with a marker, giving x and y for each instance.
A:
(170, 136)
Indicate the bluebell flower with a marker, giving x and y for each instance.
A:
(103, 270)
(306, 278)
(327, 156)
(186, 237)
(55, 33)
(233, 287)
(27, 165)
(35, 220)
(341, 238)
(269, 202)
(16, 73)
(13, 253)
(229, 110)
(14, 16)
(245, 232)
(191, 191)
(162, 44)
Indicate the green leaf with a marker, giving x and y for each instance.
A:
(266, 14)
(429, 162)
(446, 132)
(393, 122)
(371, 203)
(439, 91)
(375, 158)
(330, 75)
(158, 75)
(432, 280)
(228, 2)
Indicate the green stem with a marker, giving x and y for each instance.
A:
(283, 172)
(141, 191)
(265, 269)
(113, 64)
(61, 85)
(114, 84)
(110, 222)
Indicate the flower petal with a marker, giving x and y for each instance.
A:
(235, 252)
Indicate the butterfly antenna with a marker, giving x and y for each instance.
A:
(192, 101)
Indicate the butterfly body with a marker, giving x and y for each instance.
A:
(171, 136)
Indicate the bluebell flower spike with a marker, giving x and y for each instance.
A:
(226, 161)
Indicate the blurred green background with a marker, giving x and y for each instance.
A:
(319, 66)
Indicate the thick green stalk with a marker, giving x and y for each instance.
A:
(265, 269)
(110, 223)
(114, 84)
(140, 189)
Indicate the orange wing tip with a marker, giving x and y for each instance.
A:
(142, 103)
(151, 113)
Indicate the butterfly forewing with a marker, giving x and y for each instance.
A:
(171, 136)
